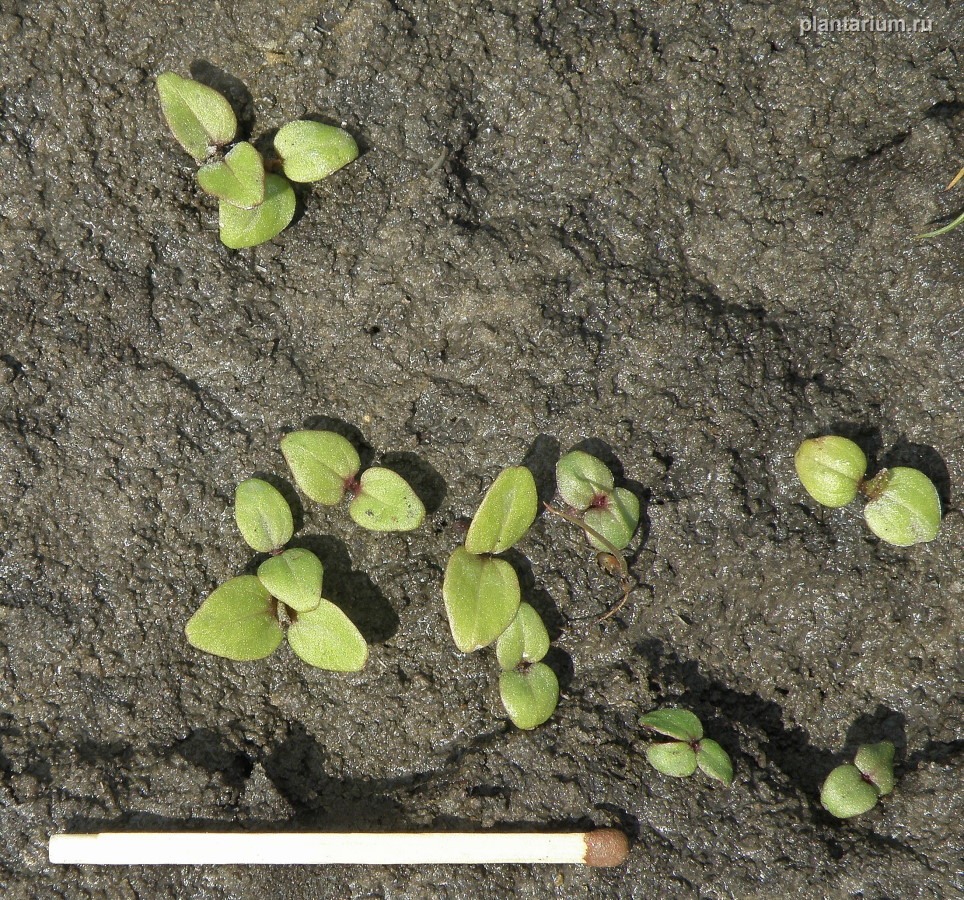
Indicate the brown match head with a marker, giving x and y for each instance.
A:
(606, 847)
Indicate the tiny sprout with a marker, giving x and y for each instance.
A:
(241, 619)
(505, 514)
(852, 789)
(325, 466)
(680, 758)
(831, 469)
(529, 688)
(311, 151)
(263, 515)
(482, 597)
(903, 508)
(253, 207)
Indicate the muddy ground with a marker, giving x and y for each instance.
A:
(680, 234)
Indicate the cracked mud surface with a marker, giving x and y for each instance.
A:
(682, 233)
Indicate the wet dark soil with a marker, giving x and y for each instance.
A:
(680, 232)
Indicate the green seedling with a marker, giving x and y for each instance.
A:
(830, 469)
(481, 592)
(607, 515)
(529, 688)
(325, 466)
(253, 206)
(855, 788)
(950, 226)
(242, 619)
(689, 751)
(482, 597)
(903, 505)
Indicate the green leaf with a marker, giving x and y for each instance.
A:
(714, 761)
(876, 762)
(905, 508)
(481, 596)
(676, 759)
(321, 463)
(845, 793)
(326, 638)
(617, 521)
(529, 697)
(830, 468)
(263, 515)
(385, 502)
(525, 640)
(238, 179)
(294, 578)
(199, 116)
(237, 621)
(505, 514)
(581, 477)
(250, 227)
(676, 723)
(311, 151)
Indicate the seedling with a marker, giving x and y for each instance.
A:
(325, 466)
(608, 515)
(528, 687)
(480, 590)
(855, 788)
(903, 506)
(242, 619)
(689, 751)
(956, 221)
(254, 203)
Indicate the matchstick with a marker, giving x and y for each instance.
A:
(602, 847)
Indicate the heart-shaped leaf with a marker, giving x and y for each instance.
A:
(505, 514)
(846, 793)
(529, 697)
(675, 723)
(905, 509)
(250, 227)
(581, 478)
(321, 463)
(481, 596)
(616, 521)
(238, 179)
(237, 621)
(199, 116)
(714, 761)
(525, 640)
(311, 151)
(263, 515)
(385, 502)
(676, 758)
(326, 638)
(294, 578)
(876, 762)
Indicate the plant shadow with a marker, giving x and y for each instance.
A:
(353, 592)
(427, 483)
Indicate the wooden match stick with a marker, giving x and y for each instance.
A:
(602, 847)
